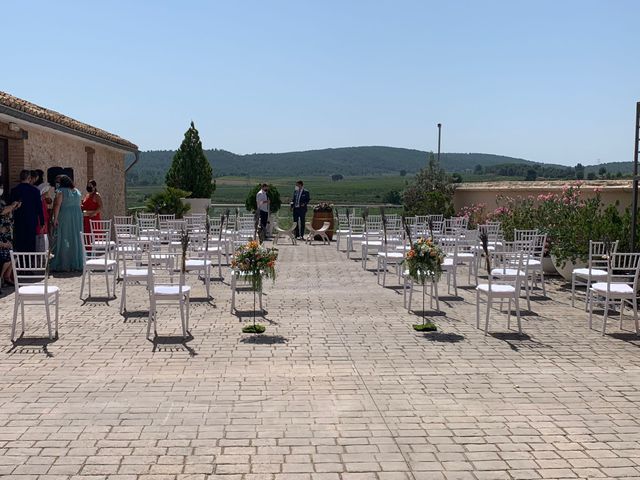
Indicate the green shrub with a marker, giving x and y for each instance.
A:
(168, 202)
(272, 194)
(430, 193)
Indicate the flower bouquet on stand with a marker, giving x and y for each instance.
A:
(424, 264)
(255, 262)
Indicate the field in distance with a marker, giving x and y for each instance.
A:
(350, 190)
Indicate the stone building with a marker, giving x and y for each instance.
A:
(34, 137)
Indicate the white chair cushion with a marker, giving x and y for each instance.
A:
(506, 272)
(496, 289)
(98, 262)
(584, 272)
(37, 290)
(168, 290)
(134, 272)
(391, 254)
(197, 263)
(530, 262)
(615, 288)
(372, 243)
(447, 262)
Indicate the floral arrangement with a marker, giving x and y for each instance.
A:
(256, 261)
(424, 260)
(323, 207)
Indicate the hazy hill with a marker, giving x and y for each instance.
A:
(349, 161)
(354, 161)
(612, 167)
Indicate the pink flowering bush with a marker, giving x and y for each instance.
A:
(569, 218)
(476, 214)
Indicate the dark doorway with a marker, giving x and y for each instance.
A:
(4, 168)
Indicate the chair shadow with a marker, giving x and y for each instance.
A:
(450, 298)
(173, 343)
(97, 299)
(396, 288)
(428, 313)
(261, 339)
(516, 340)
(203, 300)
(66, 274)
(630, 337)
(31, 345)
(442, 337)
(139, 316)
(5, 291)
(250, 313)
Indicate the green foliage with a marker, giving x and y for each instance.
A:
(272, 194)
(425, 327)
(431, 193)
(456, 178)
(256, 328)
(168, 202)
(190, 170)
(579, 171)
(392, 197)
(529, 171)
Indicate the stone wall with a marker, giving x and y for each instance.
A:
(44, 149)
(611, 191)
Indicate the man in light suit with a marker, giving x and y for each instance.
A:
(299, 204)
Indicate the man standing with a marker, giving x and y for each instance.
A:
(299, 204)
(28, 216)
(262, 201)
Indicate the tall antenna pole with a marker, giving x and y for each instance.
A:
(439, 135)
(634, 212)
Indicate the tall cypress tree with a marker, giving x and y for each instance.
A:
(190, 170)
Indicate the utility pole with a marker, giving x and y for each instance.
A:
(634, 203)
(439, 135)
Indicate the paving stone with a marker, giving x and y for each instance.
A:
(340, 387)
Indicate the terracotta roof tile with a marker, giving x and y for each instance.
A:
(60, 119)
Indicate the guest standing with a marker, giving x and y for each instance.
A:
(67, 222)
(42, 230)
(262, 201)
(91, 205)
(6, 243)
(27, 218)
(301, 199)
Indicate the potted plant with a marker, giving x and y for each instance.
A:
(256, 263)
(323, 212)
(191, 171)
(424, 263)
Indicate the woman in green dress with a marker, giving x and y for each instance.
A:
(67, 242)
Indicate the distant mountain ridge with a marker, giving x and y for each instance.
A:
(346, 161)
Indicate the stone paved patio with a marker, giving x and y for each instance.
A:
(340, 387)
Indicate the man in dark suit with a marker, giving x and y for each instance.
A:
(299, 204)
(28, 216)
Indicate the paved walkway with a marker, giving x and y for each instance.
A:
(340, 388)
